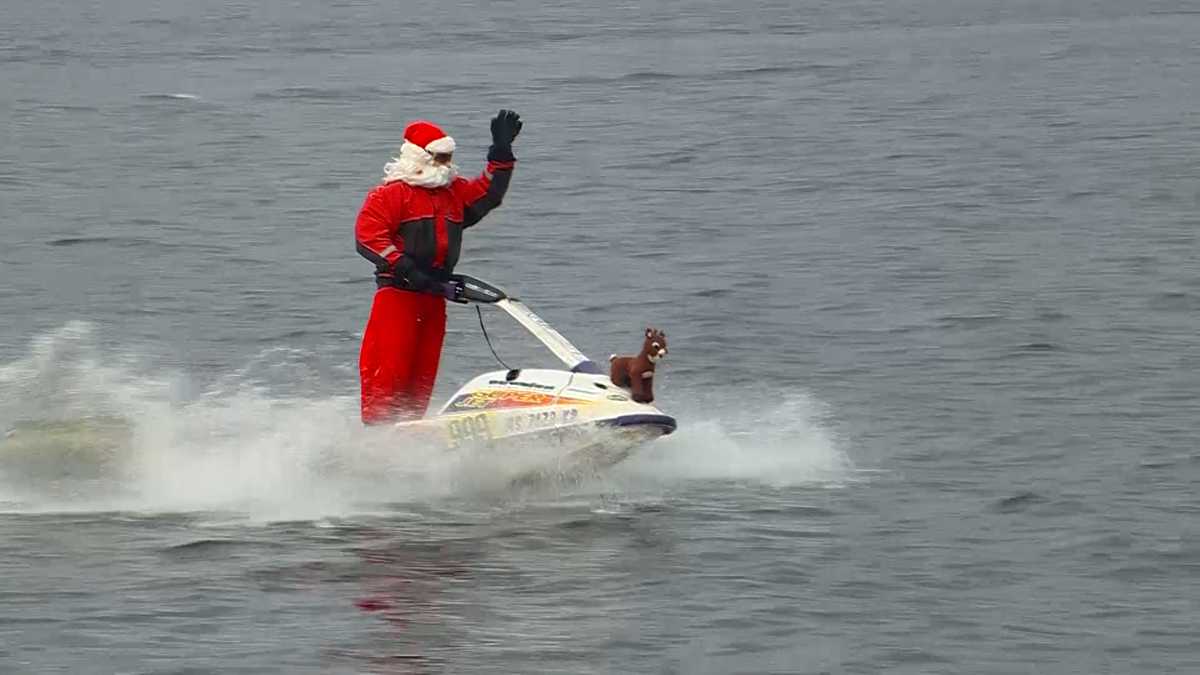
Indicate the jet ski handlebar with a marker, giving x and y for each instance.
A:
(465, 290)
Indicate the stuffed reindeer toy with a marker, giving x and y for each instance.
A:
(636, 373)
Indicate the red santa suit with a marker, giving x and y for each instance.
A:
(411, 227)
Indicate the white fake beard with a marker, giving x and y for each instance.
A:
(416, 167)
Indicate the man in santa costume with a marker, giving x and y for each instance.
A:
(411, 227)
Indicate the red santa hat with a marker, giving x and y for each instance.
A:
(429, 137)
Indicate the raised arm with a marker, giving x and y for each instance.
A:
(484, 193)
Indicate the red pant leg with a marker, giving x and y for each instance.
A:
(384, 364)
(431, 333)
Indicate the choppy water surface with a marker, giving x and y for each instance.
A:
(929, 271)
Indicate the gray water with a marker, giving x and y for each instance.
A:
(929, 271)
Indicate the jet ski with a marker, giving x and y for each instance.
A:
(577, 409)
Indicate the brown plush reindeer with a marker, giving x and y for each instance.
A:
(636, 373)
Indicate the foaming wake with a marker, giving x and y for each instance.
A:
(762, 438)
(93, 431)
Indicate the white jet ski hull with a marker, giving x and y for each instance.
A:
(577, 412)
(584, 415)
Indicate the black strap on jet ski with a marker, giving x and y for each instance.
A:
(489, 340)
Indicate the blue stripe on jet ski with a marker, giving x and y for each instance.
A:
(665, 422)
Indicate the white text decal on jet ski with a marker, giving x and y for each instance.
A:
(540, 420)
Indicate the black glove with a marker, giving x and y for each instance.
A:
(451, 290)
(408, 274)
(505, 127)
